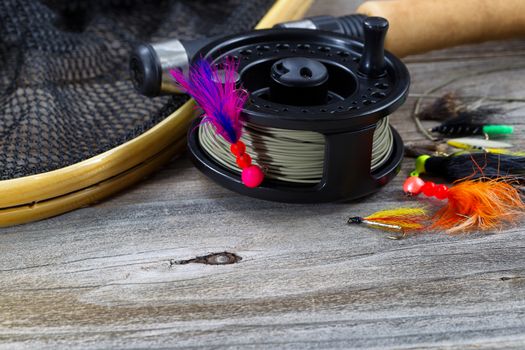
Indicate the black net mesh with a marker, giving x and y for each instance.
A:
(65, 93)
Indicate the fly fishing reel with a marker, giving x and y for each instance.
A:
(316, 119)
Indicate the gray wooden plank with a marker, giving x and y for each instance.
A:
(101, 277)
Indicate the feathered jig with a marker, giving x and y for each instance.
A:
(216, 93)
(482, 204)
(479, 205)
(443, 108)
(399, 219)
(451, 109)
(459, 118)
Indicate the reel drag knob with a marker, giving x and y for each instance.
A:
(299, 81)
(373, 60)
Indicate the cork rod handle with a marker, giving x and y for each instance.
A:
(418, 26)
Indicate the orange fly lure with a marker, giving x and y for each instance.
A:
(481, 204)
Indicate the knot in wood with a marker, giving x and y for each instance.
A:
(222, 258)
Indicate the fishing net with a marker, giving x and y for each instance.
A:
(65, 93)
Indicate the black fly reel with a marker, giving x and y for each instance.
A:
(328, 83)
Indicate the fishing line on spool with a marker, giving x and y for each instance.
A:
(289, 155)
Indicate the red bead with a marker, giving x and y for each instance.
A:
(244, 160)
(412, 185)
(252, 176)
(441, 192)
(429, 189)
(238, 148)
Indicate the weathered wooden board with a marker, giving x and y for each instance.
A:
(107, 277)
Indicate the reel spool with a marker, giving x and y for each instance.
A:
(320, 82)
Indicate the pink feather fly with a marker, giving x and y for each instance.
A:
(216, 93)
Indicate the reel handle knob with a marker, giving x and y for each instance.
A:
(373, 60)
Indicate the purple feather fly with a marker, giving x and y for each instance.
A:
(215, 92)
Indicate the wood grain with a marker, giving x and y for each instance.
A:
(105, 277)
